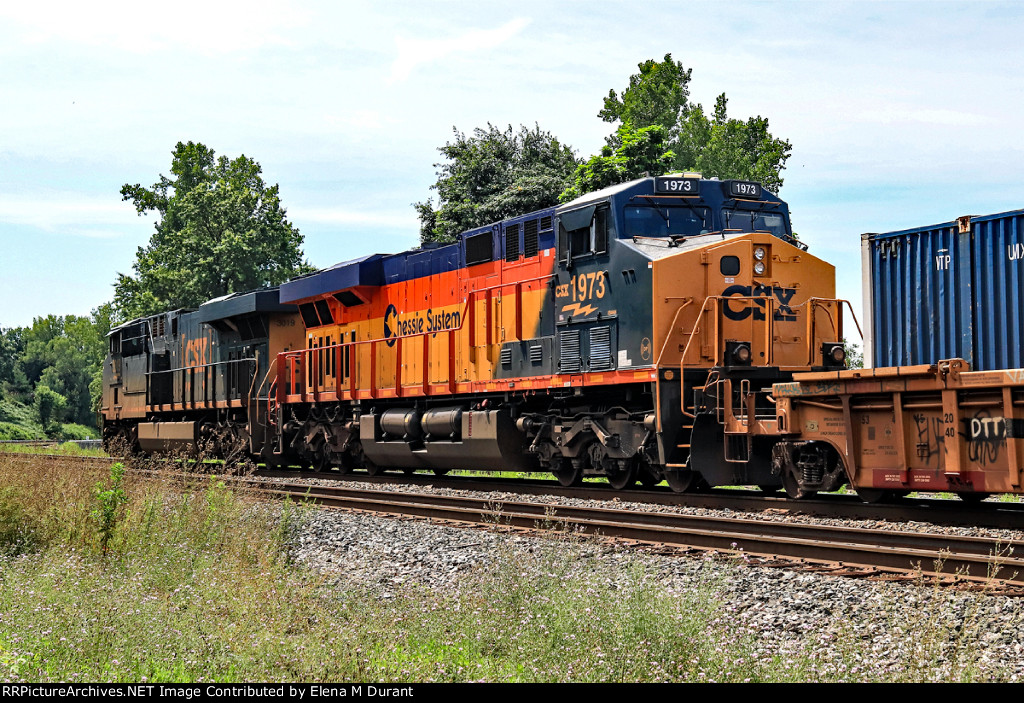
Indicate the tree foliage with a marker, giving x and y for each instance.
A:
(492, 175)
(658, 95)
(221, 230)
(632, 154)
(714, 145)
(65, 355)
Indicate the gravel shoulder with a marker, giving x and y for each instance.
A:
(782, 610)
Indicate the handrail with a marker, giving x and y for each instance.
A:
(468, 305)
(202, 368)
(661, 353)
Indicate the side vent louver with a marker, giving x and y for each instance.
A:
(506, 357)
(530, 238)
(569, 352)
(545, 223)
(536, 354)
(512, 243)
(601, 349)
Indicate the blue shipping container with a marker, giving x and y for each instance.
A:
(947, 290)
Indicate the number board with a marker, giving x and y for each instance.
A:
(744, 189)
(676, 186)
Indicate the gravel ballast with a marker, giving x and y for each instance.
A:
(781, 609)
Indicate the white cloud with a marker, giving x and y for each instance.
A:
(415, 51)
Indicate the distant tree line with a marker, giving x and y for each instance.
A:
(54, 366)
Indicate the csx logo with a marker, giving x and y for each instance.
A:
(783, 313)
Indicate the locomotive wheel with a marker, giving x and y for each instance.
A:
(619, 476)
(793, 489)
(684, 481)
(567, 474)
(623, 478)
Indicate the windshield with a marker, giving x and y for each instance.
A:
(755, 221)
(662, 221)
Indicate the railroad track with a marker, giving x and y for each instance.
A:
(976, 562)
(844, 550)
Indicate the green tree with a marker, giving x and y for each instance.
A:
(65, 354)
(715, 146)
(658, 95)
(49, 407)
(493, 175)
(636, 152)
(221, 230)
(12, 379)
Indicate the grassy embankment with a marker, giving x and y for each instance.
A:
(108, 578)
(18, 421)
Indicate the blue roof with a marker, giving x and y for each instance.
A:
(364, 271)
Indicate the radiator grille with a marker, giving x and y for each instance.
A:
(601, 349)
(569, 351)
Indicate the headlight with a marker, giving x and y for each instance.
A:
(759, 253)
(759, 267)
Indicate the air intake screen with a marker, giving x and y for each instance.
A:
(530, 238)
(601, 349)
(512, 243)
(569, 351)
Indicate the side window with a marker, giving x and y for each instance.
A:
(730, 265)
(584, 232)
(600, 227)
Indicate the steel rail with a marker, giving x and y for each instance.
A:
(975, 559)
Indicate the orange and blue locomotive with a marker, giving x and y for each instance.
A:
(634, 333)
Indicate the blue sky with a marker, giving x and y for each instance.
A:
(900, 114)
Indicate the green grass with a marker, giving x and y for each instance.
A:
(199, 584)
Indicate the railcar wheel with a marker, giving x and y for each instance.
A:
(973, 497)
(408, 472)
(567, 473)
(793, 489)
(373, 469)
(876, 495)
(441, 472)
(769, 490)
(320, 458)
